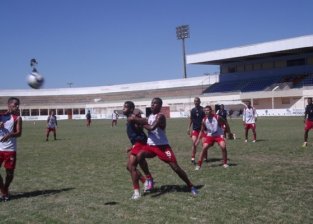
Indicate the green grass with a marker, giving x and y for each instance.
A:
(82, 177)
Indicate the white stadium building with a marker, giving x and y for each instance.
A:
(275, 76)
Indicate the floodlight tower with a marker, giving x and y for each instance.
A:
(182, 32)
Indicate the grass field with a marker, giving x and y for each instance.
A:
(82, 177)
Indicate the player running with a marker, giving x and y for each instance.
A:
(158, 144)
(212, 124)
(138, 139)
(308, 121)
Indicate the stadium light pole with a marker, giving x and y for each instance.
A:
(182, 32)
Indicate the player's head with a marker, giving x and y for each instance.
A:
(13, 104)
(197, 101)
(249, 104)
(222, 106)
(128, 108)
(208, 110)
(52, 112)
(156, 105)
(310, 100)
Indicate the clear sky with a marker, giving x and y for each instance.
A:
(106, 42)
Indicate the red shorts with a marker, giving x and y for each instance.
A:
(50, 129)
(137, 147)
(196, 133)
(250, 126)
(308, 125)
(212, 139)
(164, 152)
(8, 159)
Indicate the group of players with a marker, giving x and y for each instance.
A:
(207, 127)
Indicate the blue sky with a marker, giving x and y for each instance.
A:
(107, 42)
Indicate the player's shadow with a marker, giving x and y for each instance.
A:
(213, 160)
(38, 193)
(164, 189)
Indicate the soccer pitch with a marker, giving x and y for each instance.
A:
(82, 177)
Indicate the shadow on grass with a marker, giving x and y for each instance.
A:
(164, 189)
(38, 193)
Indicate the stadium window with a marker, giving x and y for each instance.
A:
(310, 60)
(60, 112)
(280, 64)
(285, 100)
(248, 67)
(25, 112)
(231, 69)
(257, 67)
(295, 62)
(43, 111)
(240, 68)
(82, 111)
(267, 65)
(75, 111)
(34, 112)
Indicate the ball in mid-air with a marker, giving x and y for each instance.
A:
(35, 80)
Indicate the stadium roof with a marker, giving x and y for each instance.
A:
(278, 48)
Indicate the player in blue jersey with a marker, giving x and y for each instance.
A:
(196, 116)
(138, 139)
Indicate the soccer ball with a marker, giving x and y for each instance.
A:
(35, 80)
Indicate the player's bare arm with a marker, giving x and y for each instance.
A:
(16, 133)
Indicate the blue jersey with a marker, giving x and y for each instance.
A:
(135, 133)
(196, 116)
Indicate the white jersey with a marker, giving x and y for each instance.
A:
(249, 115)
(157, 136)
(8, 121)
(52, 121)
(212, 126)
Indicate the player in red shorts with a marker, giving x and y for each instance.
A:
(308, 120)
(138, 139)
(158, 144)
(52, 124)
(249, 121)
(212, 124)
(10, 129)
(196, 116)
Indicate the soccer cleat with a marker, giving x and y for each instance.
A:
(135, 196)
(148, 185)
(254, 141)
(197, 167)
(194, 191)
(225, 165)
(193, 161)
(305, 144)
(246, 141)
(5, 198)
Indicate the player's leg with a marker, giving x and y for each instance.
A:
(254, 132)
(141, 159)
(8, 179)
(194, 147)
(203, 154)
(182, 174)
(131, 167)
(47, 134)
(55, 134)
(222, 145)
(246, 133)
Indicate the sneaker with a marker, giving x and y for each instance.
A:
(194, 191)
(148, 185)
(5, 198)
(254, 141)
(135, 196)
(246, 141)
(305, 144)
(197, 167)
(193, 161)
(225, 165)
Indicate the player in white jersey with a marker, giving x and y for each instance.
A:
(10, 129)
(52, 124)
(212, 125)
(158, 145)
(249, 119)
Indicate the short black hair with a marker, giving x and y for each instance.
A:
(14, 98)
(159, 100)
(130, 104)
